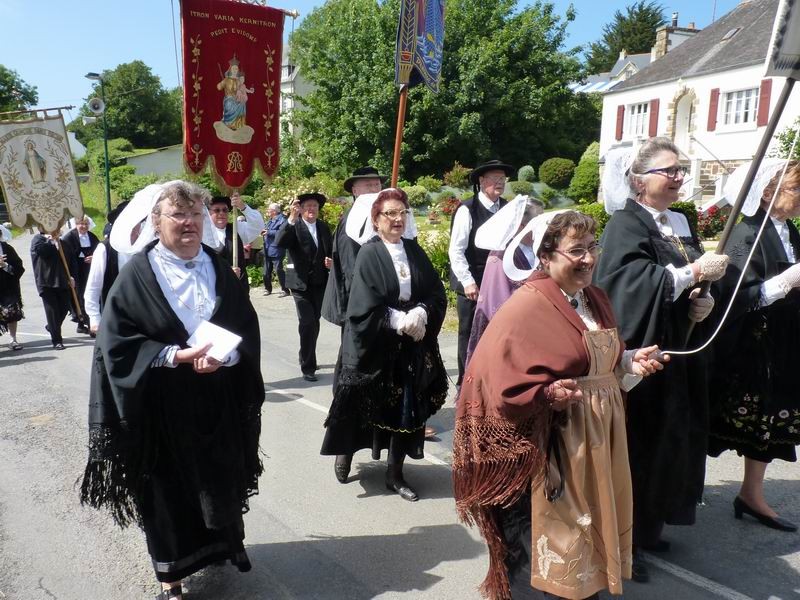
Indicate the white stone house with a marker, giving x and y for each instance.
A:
(293, 88)
(709, 95)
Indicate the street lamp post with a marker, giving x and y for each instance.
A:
(97, 77)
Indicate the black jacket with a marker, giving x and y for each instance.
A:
(306, 264)
(48, 269)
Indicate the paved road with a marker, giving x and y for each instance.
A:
(308, 536)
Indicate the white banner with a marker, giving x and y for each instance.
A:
(37, 174)
(783, 57)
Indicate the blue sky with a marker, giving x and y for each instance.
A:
(52, 44)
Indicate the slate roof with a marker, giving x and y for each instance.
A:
(707, 53)
(640, 61)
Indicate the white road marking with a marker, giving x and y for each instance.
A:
(299, 398)
(697, 580)
(44, 335)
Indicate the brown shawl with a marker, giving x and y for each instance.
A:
(503, 419)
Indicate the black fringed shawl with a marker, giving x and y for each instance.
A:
(208, 424)
(375, 360)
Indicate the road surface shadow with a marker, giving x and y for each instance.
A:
(339, 568)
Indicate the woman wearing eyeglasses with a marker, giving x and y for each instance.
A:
(652, 263)
(391, 377)
(755, 404)
(540, 462)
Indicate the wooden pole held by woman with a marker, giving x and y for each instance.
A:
(398, 136)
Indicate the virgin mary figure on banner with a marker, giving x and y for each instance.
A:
(233, 128)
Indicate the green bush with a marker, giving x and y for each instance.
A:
(333, 210)
(557, 172)
(521, 187)
(526, 173)
(785, 139)
(688, 210)
(81, 165)
(255, 275)
(466, 196)
(598, 212)
(431, 184)
(547, 195)
(118, 150)
(436, 244)
(125, 182)
(403, 184)
(458, 176)
(417, 195)
(586, 180)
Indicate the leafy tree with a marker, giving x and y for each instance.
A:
(633, 31)
(786, 138)
(138, 108)
(15, 94)
(503, 92)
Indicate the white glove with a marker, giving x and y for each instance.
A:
(712, 266)
(789, 279)
(397, 320)
(699, 306)
(414, 323)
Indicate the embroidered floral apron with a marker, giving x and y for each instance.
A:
(582, 541)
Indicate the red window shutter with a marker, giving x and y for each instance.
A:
(763, 102)
(620, 119)
(652, 130)
(713, 107)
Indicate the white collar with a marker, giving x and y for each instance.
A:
(169, 256)
(310, 225)
(656, 213)
(487, 203)
(779, 225)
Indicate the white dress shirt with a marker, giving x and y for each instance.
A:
(312, 229)
(671, 223)
(771, 289)
(249, 229)
(403, 271)
(94, 282)
(459, 239)
(190, 292)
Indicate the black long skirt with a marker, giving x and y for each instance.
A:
(178, 540)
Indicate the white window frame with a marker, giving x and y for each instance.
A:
(738, 109)
(637, 120)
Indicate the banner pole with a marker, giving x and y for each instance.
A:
(235, 240)
(761, 152)
(60, 247)
(398, 137)
(34, 110)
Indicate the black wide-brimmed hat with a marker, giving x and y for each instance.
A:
(222, 200)
(363, 173)
(492, 165)
(312, 196)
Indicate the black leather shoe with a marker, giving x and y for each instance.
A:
(401, 488)
(58, 346)
(82, 329)
(310, 377)
(659, 546)
(639, 572)
(342, 467)
(741, 507)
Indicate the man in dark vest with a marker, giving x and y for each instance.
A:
(466, 261)
(308, 242)
(52, 282)
(248, 230)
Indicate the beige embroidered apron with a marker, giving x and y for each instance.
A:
(582, 541)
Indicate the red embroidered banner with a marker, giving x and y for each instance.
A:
(231, 77)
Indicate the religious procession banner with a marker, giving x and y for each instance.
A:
(232, 74)
(420, 40)
(37, 174)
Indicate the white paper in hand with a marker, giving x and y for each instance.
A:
(222, 341)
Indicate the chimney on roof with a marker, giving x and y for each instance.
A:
(675, 19)
(623, 54)
(691, 25)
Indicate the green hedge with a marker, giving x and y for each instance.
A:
(431, 184)
(598, 212)
(526, 173)
(521, 187)
(586, 180)
(417, 195)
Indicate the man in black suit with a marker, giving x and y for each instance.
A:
(308, 241)
(52, 282)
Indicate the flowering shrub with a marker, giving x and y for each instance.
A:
(458, 176)
(435, 243)
(712, 222)
(448, 204)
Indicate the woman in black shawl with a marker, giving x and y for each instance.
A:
(754, 401)
(651, 262)
(11, 270)
(173, 432)
(391, 377)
